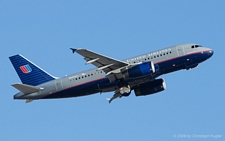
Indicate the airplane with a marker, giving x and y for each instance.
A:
(138, 74)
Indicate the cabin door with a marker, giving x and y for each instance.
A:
(180, 50)
(58, 84)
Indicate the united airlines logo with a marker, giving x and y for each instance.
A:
(26, 69)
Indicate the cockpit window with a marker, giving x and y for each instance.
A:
(195, 46)
(198, 46)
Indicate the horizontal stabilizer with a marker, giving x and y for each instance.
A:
(27, 89)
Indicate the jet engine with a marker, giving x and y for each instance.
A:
(141, 69)
(152, 87)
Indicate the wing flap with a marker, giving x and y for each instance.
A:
(104, 63)
(26, 89)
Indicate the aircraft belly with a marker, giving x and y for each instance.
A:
(21, 95)
(173, 65)
(107, 86)
(82, 90)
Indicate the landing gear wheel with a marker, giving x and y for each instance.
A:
(124, 88)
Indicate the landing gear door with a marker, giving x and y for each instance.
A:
(58, 84)
(180, 50)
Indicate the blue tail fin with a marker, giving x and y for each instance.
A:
(28, 72)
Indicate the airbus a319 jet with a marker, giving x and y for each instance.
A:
(139, 74)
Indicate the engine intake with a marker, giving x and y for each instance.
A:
(152, 87)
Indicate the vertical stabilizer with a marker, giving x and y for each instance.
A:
(28, 72)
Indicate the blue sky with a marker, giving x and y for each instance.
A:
(43, 31)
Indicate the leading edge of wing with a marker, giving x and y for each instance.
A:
(83, 52)
(106, 63)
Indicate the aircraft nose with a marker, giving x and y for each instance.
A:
(210, 53)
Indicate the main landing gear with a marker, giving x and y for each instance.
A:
(123, 90)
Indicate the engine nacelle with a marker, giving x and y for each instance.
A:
(141, 69)
(152, 87)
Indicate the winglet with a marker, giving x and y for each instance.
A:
(73, 49)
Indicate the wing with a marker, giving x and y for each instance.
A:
(104, 63)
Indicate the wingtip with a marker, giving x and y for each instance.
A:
(73, 49)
